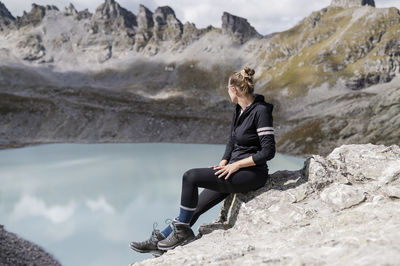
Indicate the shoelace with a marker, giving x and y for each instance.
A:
(155, 224)
(153, 236)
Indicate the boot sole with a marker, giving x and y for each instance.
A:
(187, 241)
(155, 253)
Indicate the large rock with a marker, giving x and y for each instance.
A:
(17, 251)
(352, 3)
(238, 28)
(166, 25)
(343, 209)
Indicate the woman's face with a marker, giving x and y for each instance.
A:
(232, 92)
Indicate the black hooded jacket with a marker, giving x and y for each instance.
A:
(252, 133)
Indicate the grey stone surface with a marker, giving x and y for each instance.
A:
(17, 251)
(238, 28)
(342, 209)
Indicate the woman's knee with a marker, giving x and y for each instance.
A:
(196, 175)
(189, 175)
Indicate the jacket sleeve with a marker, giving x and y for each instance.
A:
(229, 145)
(265, 132)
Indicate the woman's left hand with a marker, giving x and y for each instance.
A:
(226, 170)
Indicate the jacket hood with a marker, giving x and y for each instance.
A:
(258, 99)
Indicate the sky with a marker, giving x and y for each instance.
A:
(265, 16)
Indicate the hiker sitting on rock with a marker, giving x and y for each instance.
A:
(243, 166)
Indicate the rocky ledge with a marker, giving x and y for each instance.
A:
(343, 209)
(17, 251)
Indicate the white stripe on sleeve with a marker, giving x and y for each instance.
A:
(265, 128)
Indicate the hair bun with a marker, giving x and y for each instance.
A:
(249, 71)
(243, 80)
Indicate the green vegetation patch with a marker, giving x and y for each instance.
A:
(298, 136)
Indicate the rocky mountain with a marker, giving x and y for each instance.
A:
(322, 76)
(332, 81)
(343, 209)
(5, 17)
(35, 16)
(238, 28)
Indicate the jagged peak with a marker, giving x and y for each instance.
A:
(39, 9)
(46, 7)
(352, 3)
(161, 13)
(70, 10)
(34, 16)
(144, 17)
(238, 27)
(108, 7)
(165, 10)
(5, 13)
(143, 8)
(111, 9)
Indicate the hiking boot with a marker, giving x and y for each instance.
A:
(181, 234)
(149, 245)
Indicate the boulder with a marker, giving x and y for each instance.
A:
(17, 251)
(341, 209)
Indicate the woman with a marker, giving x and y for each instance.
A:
(243, 166)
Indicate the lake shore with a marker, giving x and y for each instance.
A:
(17, 251)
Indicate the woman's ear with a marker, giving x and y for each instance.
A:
(235, 91)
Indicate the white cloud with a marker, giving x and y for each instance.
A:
(71, 163)
(265, 16)
(32, 206)
(100, 204)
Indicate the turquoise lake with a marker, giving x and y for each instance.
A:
(84, 203)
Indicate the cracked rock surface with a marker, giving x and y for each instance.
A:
(342, 209)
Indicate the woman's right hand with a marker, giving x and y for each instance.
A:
(222, 163)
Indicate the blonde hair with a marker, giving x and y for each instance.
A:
(243, 80)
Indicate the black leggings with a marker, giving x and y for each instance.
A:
(216, 189)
